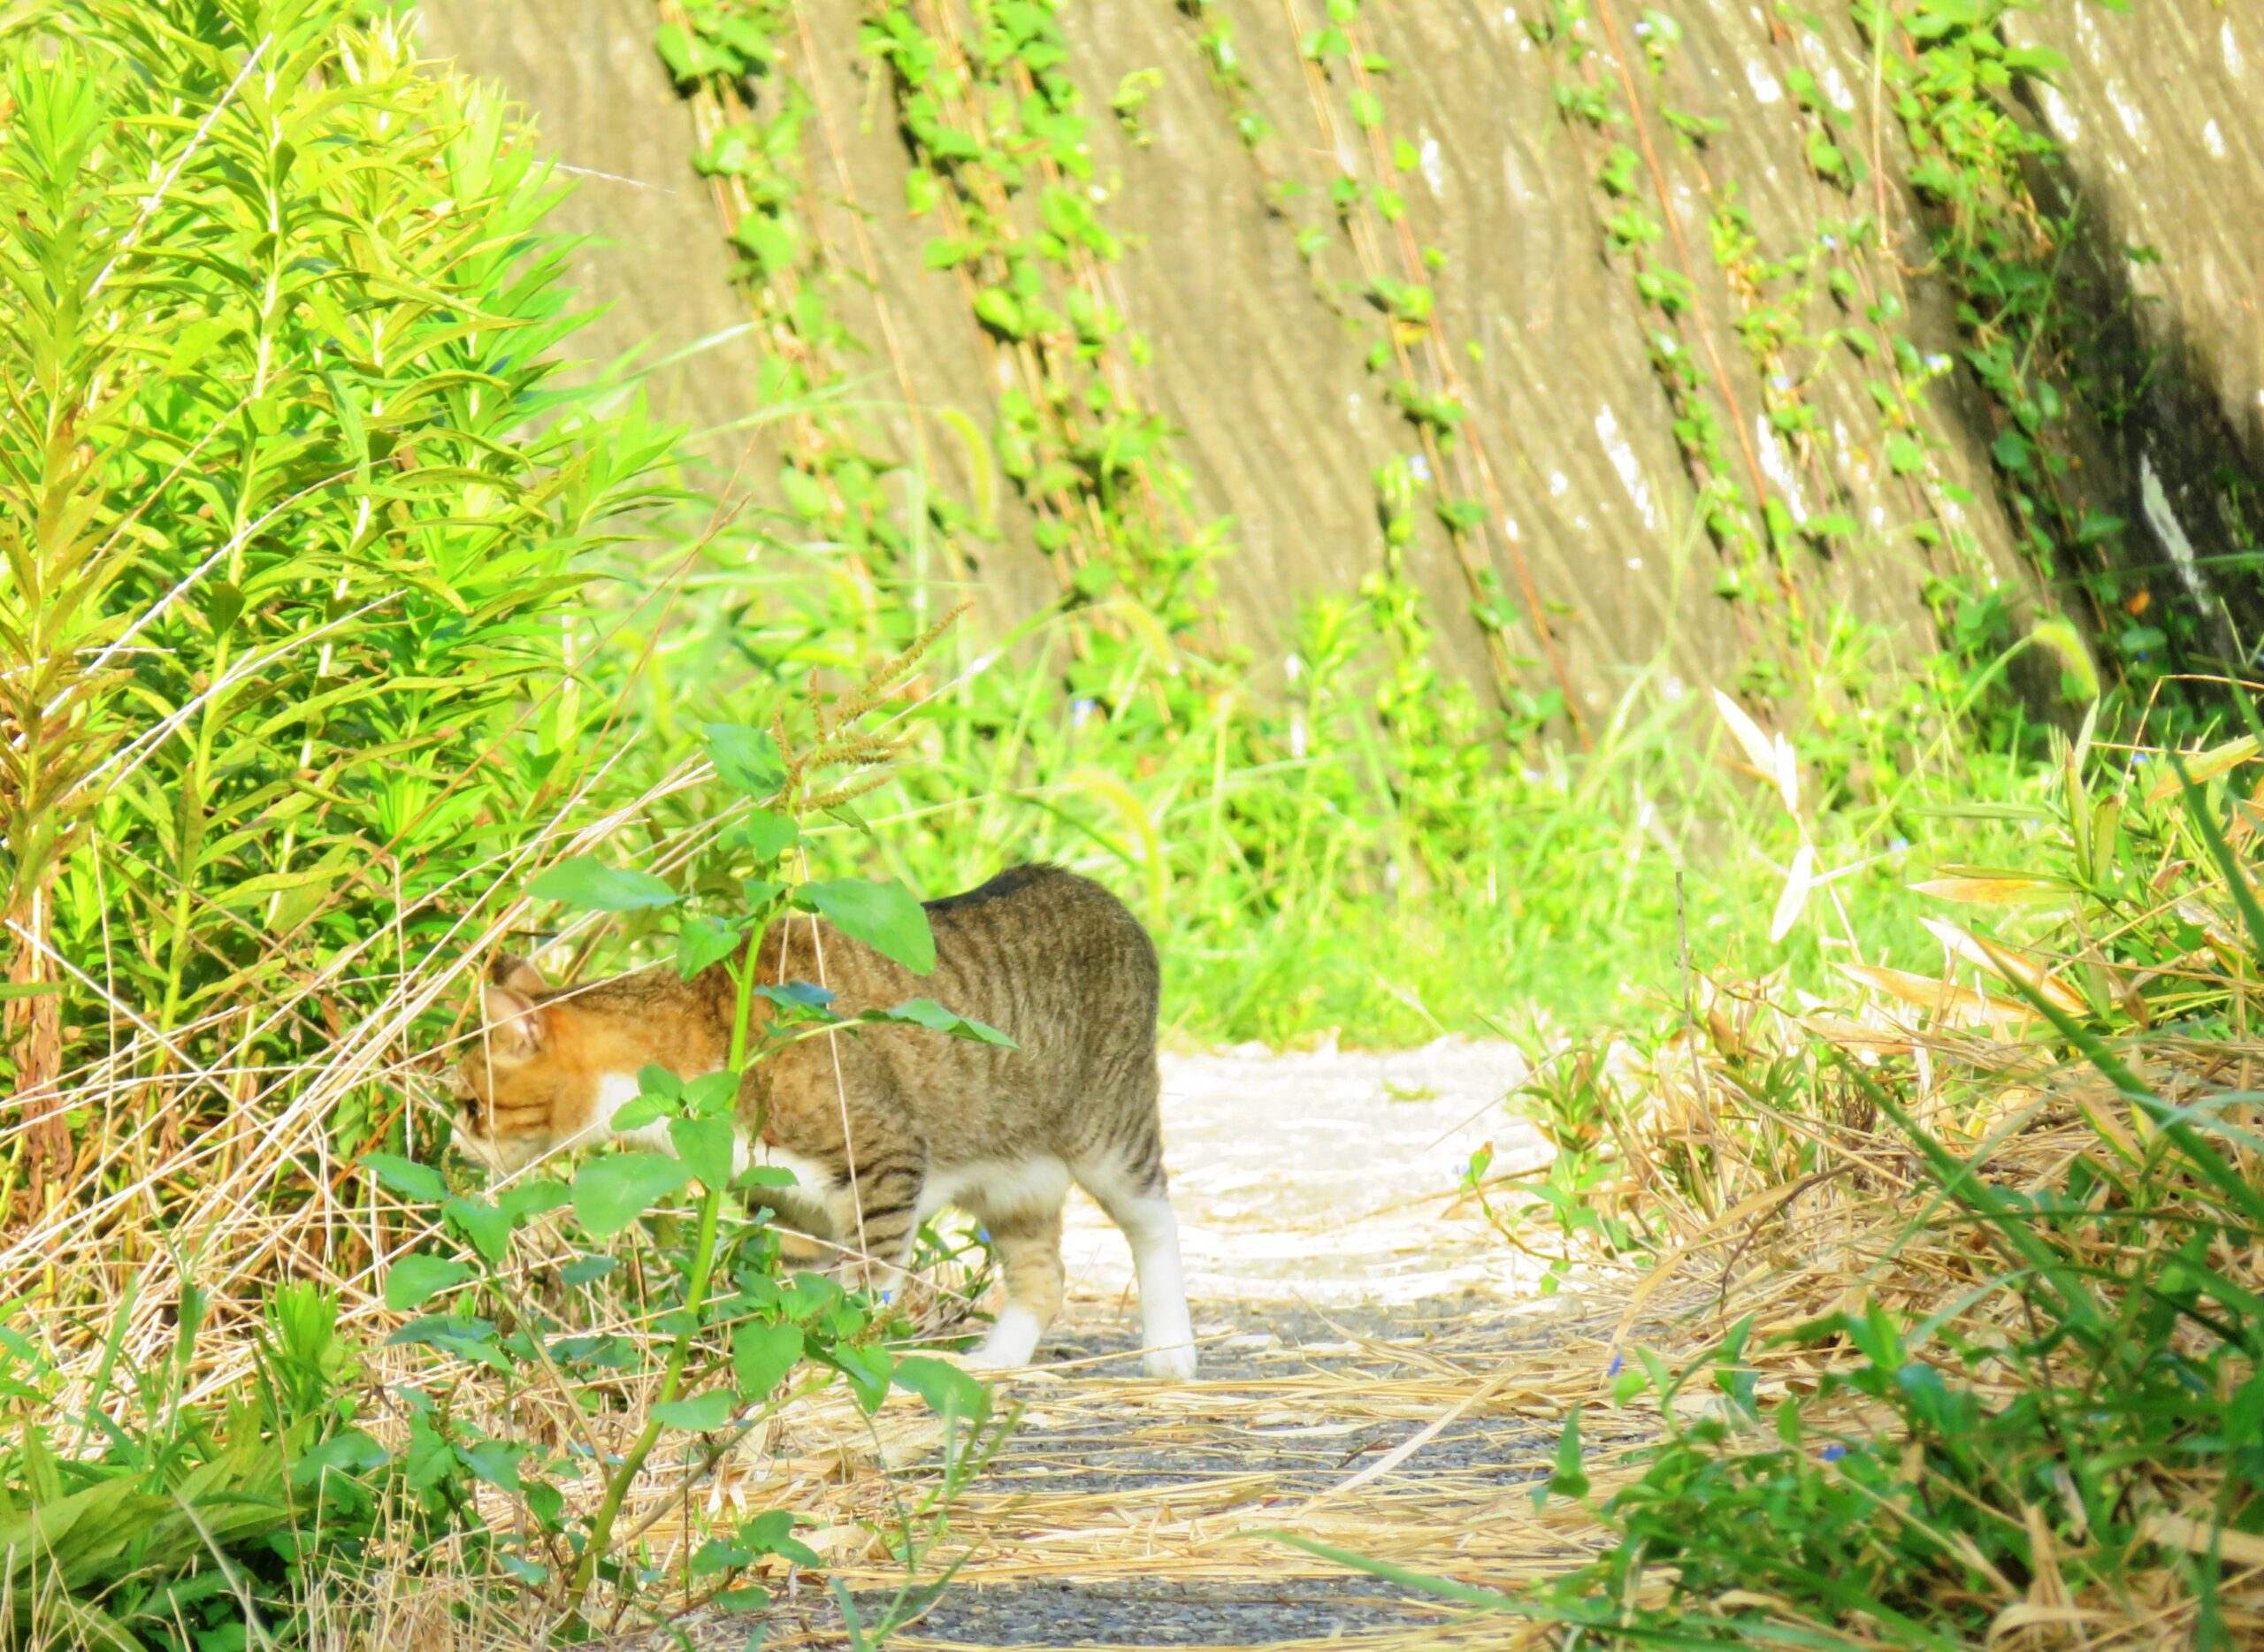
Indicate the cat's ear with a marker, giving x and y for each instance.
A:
(516, 1025)
(516, 974)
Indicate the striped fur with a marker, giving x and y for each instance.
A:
(885, 1124)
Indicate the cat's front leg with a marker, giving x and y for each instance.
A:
(875, 1210)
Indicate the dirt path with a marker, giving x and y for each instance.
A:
(1347, 1306)
(1379, 1373)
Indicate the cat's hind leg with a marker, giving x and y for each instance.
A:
(1029, 1241)
(1136, 1201)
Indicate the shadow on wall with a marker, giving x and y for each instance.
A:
(2166, 492)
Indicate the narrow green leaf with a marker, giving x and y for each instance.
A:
(589, 883)
(928, 1014)
(407, 1177)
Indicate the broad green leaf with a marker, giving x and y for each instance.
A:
(928, 1014)
(413, 1279)
(948, 1391)
(407, 1177)
(523, 1200)
(772, 1532)
(590, 884)
(703, 943)
(771, 835)
(659, 1095)
(641, 1111)
(714, 1557)
(745, 759)
(588, 1269)
(761, 1355)
(496, 1462)
(767, 1176)
(706, 1145)
(867, 1370)
(349, 1451)
(612, 1192)
(712, 1095)
(703, 1412)
(486, 1227)
(882, 915)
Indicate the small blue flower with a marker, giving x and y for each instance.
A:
(1082, 712)
(1937, 362)
(1642, 29)
(983, 1234)
(1897, 845)
(1618, 1360)
(1832, 242)
(1418, 467)
(1833, 1453)
(1780, 381)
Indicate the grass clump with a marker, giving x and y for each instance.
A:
(1979, 1250)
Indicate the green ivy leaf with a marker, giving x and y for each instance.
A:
(590, 884)
(611, 1193)
(882, 915)
(703, 1413)
(414, 1280)
(868, 1370)
(761, 1355)
(1002, 312)
(745, 759)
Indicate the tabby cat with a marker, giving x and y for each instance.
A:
(1050, 959)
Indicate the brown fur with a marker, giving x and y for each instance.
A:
(884, 1121)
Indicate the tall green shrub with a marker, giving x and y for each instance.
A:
(294, 514)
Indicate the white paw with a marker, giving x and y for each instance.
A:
(988, 1358)
(1171, 1365)
(1012, 1340)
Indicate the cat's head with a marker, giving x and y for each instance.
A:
(520, 1086)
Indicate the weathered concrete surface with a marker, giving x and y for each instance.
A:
(1258, 358)
(585, 72)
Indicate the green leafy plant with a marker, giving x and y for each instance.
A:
(734, 1332)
